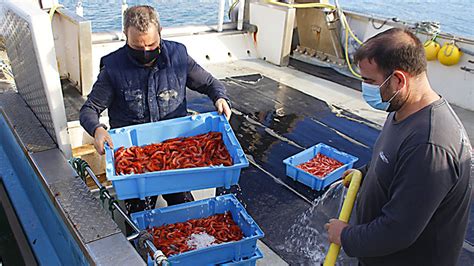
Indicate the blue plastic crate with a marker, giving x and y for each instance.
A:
(179, 180)
(252, 261)
(222, 253)
(310, 180)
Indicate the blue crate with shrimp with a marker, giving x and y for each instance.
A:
(313, 181)
(241, 252)
(157, 182)
(251, 261)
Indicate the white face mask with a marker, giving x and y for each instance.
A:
(373, 96)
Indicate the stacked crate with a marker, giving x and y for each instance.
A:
(242, 252)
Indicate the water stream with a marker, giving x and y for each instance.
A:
(307, 237)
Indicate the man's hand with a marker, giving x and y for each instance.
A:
(223, 107)
(346, 179)
(100, 137)
(334, 228)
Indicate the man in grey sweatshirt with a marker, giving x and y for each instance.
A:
(413, 204)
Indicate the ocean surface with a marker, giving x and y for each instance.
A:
(456, 17)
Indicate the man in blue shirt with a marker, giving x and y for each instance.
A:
(145, 81)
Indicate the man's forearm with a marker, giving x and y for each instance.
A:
(89, 120)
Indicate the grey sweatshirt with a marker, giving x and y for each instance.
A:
(413, 205)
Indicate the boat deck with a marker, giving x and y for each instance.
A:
(277, 112)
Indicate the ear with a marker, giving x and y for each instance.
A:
(125, 34)
(159, 33)
(401, 79)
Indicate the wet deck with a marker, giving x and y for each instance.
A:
(274, 121)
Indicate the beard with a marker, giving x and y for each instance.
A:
(397, 102)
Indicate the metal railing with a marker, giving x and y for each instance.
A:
(83, 170)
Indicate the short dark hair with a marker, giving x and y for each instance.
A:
(141, 17)
(394, 49)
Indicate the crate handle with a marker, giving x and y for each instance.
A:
(245, 217)
(240, 153)
(196, 117)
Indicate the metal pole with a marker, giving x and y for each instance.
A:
(124, 7)
(221, 15)
(158, 255)
(240, 20)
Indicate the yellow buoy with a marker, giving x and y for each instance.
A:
(431, 49)
(449, 54)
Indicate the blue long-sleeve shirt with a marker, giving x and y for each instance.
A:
(136, 94)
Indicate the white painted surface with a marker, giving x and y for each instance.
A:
(61, 45)
(72, 35)
(219, 47)
(275, 25)
(456, 85)
(78, 136)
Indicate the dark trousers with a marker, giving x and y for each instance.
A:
(137, 205)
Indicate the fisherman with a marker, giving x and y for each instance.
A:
(413, 204)
(145, 81)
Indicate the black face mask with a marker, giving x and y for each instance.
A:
(144, 57)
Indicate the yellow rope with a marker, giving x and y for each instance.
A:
(346, 24)
(234, 4)
(53, 10)
(349, 64)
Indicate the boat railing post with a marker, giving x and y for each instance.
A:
(240, 19)
(124, 8)
(221, 15)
